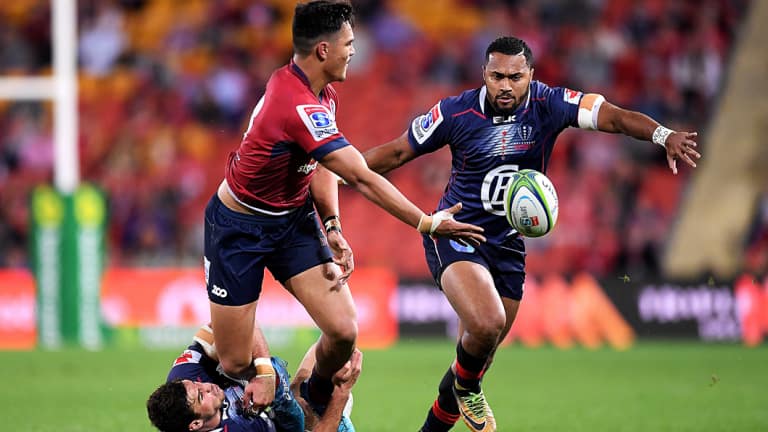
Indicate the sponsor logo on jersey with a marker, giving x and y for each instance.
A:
(497, 120)
(424, 125)
(307, 168)
(494, 188)
(320, 122)
(572, 96)
(188, 357)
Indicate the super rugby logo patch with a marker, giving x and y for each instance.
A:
(319, 121)
(424, 125)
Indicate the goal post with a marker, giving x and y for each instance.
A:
(68, 220)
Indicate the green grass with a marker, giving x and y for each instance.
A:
(652, 387)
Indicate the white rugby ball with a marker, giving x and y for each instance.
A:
(531, 204)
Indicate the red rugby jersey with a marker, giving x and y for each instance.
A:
(289, 131)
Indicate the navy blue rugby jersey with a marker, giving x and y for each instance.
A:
(194, 365)
(487, 147)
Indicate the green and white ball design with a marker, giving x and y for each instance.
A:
(531, 204)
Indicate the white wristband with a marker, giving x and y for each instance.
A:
(660, 136)
(435, 221)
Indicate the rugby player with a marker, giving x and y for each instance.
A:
(508, 124)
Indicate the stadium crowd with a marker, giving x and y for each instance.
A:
(166, 88)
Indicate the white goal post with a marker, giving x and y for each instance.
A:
(61, 88)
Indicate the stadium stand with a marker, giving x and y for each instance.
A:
(165, 88)
(734, 172)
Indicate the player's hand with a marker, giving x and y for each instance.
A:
(681, 145)
(259, 393)
(342, 255)
(346, 377)
(444, 225)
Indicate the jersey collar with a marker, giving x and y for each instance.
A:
(484, 92)
(296, 70)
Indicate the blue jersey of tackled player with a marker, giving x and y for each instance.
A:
(488, 146)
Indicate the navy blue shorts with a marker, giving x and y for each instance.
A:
(239, 246)
(506, 263)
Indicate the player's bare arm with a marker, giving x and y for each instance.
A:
(350, 165)
(678, 145)
(394, 154)
(325, 193)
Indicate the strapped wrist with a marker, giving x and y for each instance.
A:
(660, 135)
(425, 224)
(332, 223)
(428, 223)
(263, 367)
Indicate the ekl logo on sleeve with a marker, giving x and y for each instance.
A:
(319, 121)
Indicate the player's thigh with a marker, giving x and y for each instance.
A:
(233, 328)
(329, 304)
(470, 289)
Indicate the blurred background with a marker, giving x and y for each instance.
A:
(650, 295)
(165, 89)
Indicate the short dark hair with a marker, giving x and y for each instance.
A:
(510, 45)
(168, 408)
(313, 20)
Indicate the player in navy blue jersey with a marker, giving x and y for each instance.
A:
(265, 212)
(508, 124)
(197, 397)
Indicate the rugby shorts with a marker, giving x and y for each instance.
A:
(238, 247)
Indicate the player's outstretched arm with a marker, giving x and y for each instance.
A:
(678, 145)
(350, 165)
(386, 157)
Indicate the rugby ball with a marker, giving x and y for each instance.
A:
(531, 203)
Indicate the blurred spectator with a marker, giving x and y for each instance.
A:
(101, 39)
(166, 90)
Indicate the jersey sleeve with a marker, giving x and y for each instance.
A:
(563, 105)
(313, 127)
(432, 130)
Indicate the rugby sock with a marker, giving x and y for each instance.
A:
(444, 412)
(319, 388)
(469, 369)
(438, 420)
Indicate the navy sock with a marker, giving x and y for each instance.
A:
(319, 388)
(469, 369)
(444, 412)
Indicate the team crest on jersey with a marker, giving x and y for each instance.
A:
(188, 356)
(320, 122)
(572, 96)
(424, 125)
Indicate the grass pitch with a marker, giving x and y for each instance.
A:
(652, 387)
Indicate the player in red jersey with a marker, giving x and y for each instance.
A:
(264, 214)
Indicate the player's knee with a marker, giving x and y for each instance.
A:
(487, 331)
(235, 367)
(343, 335)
